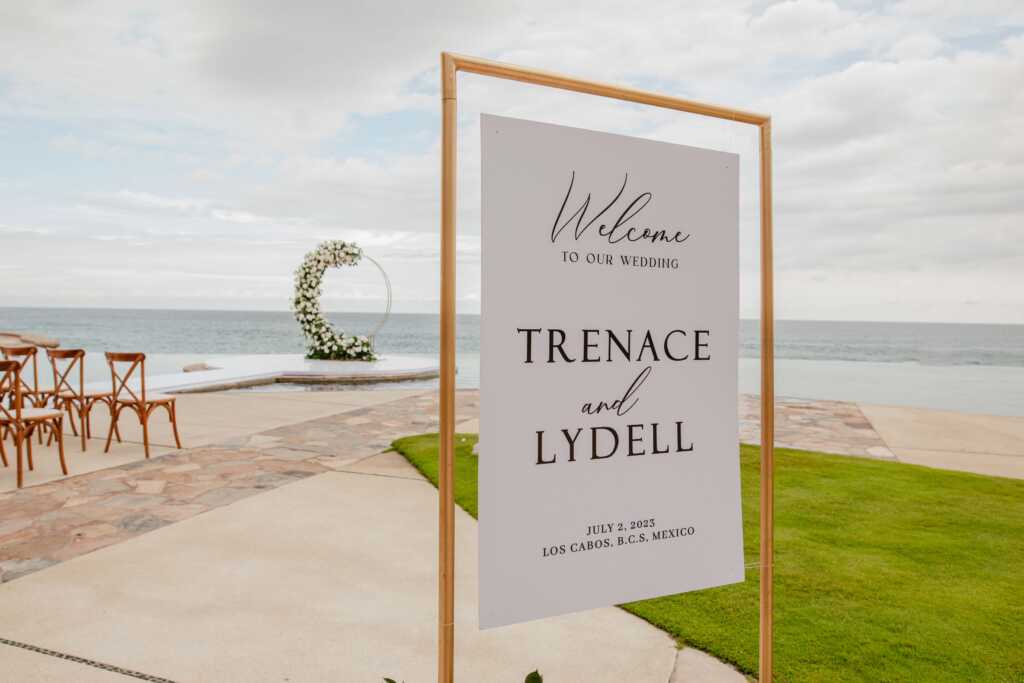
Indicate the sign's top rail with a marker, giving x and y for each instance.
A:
(452, 63)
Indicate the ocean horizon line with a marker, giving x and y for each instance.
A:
(477, 314)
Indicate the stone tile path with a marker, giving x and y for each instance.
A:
(50, 523)
(828, 426)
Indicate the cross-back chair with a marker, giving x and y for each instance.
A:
(30, 391)
(80, 402)
(127, 394)
(22, 422)
(10, 396)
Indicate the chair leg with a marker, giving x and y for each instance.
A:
(36, 404)
(3, 451)
(28, 442)
(21, 466)
(39, 433)
(83, 416)
(173, 412)
(68, 405)
(60, 443)
(115, 413)
(144, 419)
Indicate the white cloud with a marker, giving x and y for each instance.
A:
(915, 46)
(150, 200)
(243, 217)
(897, 152)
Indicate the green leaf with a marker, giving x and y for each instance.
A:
(534, 677)
(389, 680)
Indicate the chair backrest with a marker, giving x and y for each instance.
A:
(119, 376)
(24, 354)
(10, 383)
(64, 362)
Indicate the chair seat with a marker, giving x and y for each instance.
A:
(150, 398)
(88, 394)
(34, 415)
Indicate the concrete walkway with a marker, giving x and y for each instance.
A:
(331, 578)
(983, 444)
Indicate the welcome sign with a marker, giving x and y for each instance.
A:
(609, 466)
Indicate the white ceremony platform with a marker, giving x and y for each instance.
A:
(236, 372)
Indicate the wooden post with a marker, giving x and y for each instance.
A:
(767, 411)
(446, 428)
(450, 66)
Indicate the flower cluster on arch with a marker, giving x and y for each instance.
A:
(322, 342)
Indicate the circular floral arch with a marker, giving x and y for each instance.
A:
(322, 341)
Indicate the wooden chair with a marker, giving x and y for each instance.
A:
(25, 355)
(143, 404)
(80, 402)
(8, 397)
(22, 422)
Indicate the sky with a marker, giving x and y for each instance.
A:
(187, 154)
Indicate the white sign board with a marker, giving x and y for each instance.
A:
(609, 458)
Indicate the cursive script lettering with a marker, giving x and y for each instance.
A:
(618, 230)
(622, 405)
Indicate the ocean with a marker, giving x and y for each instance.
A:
(968, 368)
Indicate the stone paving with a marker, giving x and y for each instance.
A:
(827, 426)
(50, 523)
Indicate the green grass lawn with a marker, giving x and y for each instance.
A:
(883, 571)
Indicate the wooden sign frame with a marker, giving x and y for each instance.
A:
(451, 64)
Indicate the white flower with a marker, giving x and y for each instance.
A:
(320, 336)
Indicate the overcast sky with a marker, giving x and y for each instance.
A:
(188, 154)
